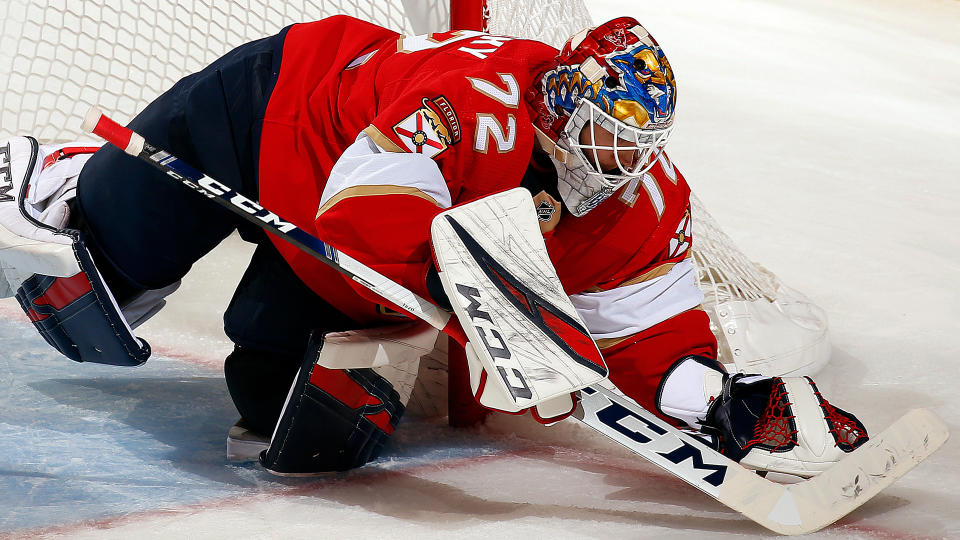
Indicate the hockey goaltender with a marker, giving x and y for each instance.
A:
(402, 152)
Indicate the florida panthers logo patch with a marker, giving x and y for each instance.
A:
(681, 240)
(431, 129)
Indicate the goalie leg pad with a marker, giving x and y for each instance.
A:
(78, 316)
(392, 351)
(56, 281)
(334, 420)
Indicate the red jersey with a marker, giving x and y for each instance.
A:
(454, 97)
(626, 265)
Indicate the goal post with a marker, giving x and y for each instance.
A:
(60, 57)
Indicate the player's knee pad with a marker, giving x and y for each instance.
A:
(333, 420)
(51, 269)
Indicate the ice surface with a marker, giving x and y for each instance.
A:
(823, 136)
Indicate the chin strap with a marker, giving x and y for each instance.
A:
(550, 147)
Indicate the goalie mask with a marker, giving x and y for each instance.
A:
(605, 112)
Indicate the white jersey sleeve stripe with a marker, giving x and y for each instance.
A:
(365, 164)
(633, 308)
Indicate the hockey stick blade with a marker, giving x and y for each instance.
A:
(799, 508)
(787, 509)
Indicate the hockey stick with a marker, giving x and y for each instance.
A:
(132, 143)
(797, 508)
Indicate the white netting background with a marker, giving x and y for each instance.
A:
(761, 325)
(549, 21)
(62, 56)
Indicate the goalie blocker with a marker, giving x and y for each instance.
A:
(49, 266)
(527, 347)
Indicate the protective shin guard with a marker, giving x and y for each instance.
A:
(333, 420)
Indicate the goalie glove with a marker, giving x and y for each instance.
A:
(527, 346)
(48, 265)
(766, 423)
(782, 425)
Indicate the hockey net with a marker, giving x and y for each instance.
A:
(62, 56)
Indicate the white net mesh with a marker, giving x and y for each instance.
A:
(62, 56)
(549, 21)
(724, 269)
(761, 325)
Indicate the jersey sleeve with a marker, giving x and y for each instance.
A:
(638, 362)
(645, 325)
(425, 150)
(377, 207)
(628, 269)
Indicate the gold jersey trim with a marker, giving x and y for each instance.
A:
(382, 140)
(606, 343)
(653, 273)
(369, 191)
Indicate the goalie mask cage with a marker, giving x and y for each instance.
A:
(60, 57)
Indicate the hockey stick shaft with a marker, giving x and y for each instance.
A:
(787, 509)
(135, 145)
